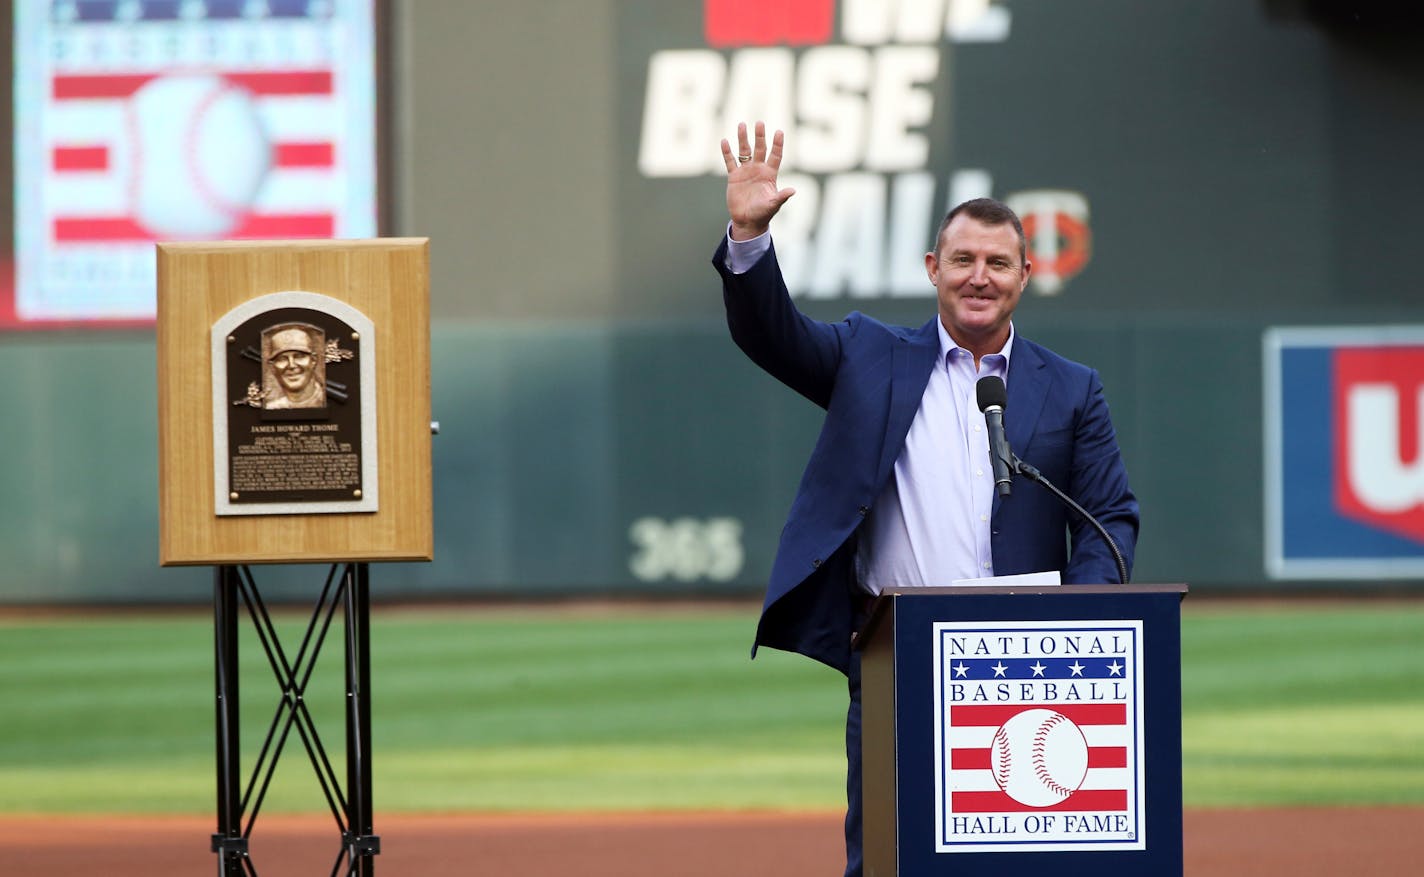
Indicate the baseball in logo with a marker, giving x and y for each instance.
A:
(1038, 730)
(197, 152)
(1040, 757)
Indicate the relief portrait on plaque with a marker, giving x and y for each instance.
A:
(295, 376)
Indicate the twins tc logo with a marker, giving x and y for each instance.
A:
(1344, 470)
(1379, 474)
(1055, 224)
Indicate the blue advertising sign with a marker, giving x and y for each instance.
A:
(1344, 473)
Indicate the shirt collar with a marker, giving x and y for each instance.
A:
(946, 344)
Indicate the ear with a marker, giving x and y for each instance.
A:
(1028, 269)
(932, 267)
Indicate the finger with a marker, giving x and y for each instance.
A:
(783, 196)
(743, 148)
(727, 156)
(774, 158)
(759, 152)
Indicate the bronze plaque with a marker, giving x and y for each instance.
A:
(293, 394)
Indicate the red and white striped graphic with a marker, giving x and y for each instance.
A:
(143, 122)
(98, 170)
(972, 781)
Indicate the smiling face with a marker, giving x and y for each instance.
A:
(979, 273)
(294, 360)
(294, 369)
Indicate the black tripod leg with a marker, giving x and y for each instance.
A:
(361, 843)
(228, 842)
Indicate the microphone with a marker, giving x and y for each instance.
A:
(992, 397)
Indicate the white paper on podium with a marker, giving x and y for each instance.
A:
(1028, 579)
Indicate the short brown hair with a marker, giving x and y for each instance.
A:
(988, 211)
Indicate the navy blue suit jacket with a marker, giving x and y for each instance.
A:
(869, 377)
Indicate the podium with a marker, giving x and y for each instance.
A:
(1006, 731)
(294, 427)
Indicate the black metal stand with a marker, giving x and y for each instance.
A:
(347, 586)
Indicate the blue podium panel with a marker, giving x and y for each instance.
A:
(1009, 730)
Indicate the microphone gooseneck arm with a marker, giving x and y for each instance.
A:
(1036, 477)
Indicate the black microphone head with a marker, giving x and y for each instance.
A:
(991, 393)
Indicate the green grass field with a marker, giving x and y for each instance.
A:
(627, 709)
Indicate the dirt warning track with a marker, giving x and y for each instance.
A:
(1219, 843)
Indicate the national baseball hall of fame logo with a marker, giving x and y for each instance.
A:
(1344, 422)
(1038, 736)
(157, 120)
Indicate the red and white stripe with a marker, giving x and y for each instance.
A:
(969, 737)
(89, 140)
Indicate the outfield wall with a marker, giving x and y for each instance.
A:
(1214, 171)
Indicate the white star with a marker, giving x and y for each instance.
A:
(1115, 669)
(1076, 668)
(999, 669)
(961, 670)
(1038, 668)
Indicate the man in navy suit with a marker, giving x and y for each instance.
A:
(899, 491)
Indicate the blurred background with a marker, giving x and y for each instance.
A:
(1218, 196)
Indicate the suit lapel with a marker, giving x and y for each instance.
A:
(1027, 391)
(912, 360)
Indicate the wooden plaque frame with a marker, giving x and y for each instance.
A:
(387, 280)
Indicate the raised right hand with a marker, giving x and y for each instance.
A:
(752, 196)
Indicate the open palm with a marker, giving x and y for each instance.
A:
(752, 196)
